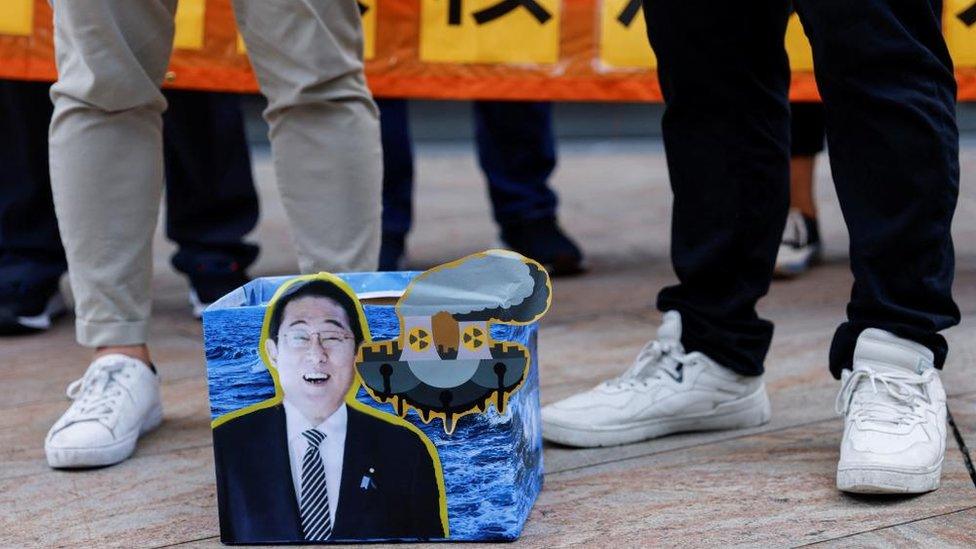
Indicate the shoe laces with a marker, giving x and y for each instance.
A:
(893, 399)
(98, 393)
(655, 362)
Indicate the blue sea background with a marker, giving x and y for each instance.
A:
(492, 462)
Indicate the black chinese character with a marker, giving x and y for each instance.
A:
(454, 12)
(504, 7)
(630, 12)
(968, 15)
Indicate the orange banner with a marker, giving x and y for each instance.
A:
(456, 49)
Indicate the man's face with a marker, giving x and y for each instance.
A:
(314, 353)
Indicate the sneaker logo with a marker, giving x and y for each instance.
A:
(679, 373)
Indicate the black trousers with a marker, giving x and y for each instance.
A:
(889, 93)
(806, 129)
(211, 202)
(210, 196)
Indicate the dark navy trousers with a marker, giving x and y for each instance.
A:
(516, 151)
(31, 257)
(210, 196)
(887, 83)
(211, 202)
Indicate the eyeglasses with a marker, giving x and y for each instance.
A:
(299, 339)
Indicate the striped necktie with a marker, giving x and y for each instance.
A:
(316, 518)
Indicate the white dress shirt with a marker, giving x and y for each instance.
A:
(331, 450)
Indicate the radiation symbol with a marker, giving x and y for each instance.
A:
(473, 338)
(419, 339)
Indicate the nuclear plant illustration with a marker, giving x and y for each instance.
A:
(445, 363)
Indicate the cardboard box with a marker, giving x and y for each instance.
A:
(440, 441)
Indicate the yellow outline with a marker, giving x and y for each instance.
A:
(353, 389)
(400, 404)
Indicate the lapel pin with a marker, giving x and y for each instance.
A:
(367, 481)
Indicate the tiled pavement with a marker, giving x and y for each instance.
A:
(770, 486)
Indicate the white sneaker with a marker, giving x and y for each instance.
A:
(665, 391)
(895, 418)
(116, 401)
(800, 247)
(14, 322)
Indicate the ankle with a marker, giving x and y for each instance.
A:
(138, 352)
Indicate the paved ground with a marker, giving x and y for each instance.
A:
(768, 486)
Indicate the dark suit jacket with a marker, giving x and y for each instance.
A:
(256, 495)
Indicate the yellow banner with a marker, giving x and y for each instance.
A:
(960, 30)
(189, 24)
(623, 36)
(457, 49)
(17, 17)
(367, 8)
(490, 31)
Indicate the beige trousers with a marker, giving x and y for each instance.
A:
(106, 143)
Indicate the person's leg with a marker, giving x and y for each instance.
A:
(325, 136)
(107, 101)
(887, 82)
(894, 154)
(211, 203)
(397, 180)
(517, 152)
(800, 246)
(806, 142)
(724, 75)
(31, 257)
(725, 78)
(106, 177)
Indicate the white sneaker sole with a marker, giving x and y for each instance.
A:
(749, 411)
(791, 263)
(881, 480)
(100, 456)
(54, 309)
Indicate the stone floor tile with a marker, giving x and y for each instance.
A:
(955, 530)
(186, 424)
(159, 499)
(769, 489)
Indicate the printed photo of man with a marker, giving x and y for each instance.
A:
(312, 463)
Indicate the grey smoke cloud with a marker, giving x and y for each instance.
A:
(498, 285)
